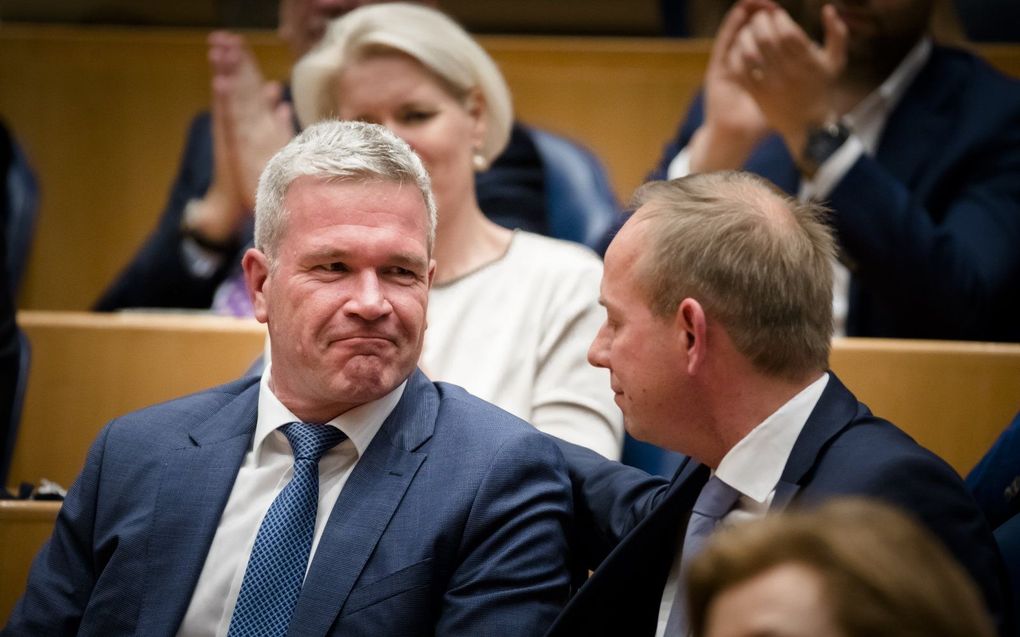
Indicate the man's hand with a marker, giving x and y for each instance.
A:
(791, 79)
(733, 122)
(256, 121)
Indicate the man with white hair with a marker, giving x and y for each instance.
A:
(343, 493)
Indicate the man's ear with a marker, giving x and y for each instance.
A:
(256, 273)
(691, 329)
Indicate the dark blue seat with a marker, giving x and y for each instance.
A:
(650, 458)
(22, 205)
(579, 198)
(995, 481)
(18, 201)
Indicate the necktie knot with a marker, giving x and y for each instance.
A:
(716, 499)
(310, 441)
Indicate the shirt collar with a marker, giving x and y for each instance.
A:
(360, 424)
(868, 118)
(754, 465)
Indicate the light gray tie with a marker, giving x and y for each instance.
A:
(715, 501)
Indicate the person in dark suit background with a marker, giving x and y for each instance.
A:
(436, 514)
(10, 346)
(717, 339)
(206, 225)
(913, 145)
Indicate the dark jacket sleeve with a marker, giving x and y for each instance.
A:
(158, 276)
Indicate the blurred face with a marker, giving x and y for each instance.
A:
(345, 303)
(396, 91)
(785, 601)
(881, 31)
(302, 23)
(640, 349)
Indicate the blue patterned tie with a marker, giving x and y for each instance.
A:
(715, 501)
(279, 557)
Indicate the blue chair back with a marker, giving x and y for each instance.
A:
(650, 458)
(580, 200)
(21, 384)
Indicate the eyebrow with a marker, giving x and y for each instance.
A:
(402, 259)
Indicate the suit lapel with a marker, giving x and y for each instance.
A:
(920, 122)
(196, 482)
(834, 412)
(365, 507)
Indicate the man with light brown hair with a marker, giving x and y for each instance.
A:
(717, 292)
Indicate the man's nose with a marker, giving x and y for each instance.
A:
(368, 298)
(598, 352)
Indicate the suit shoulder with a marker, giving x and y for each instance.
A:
(180, 413)
(467, 418)
(874, 454)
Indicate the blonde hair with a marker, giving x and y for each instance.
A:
(883, 574)
(426, 35)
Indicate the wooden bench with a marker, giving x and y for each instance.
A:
(90, 368)
(24, 527)
(102, 113)
(952, 397)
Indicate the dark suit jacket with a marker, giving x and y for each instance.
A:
(931, 224)
(511, 192)
(628, 522)
(452, 523)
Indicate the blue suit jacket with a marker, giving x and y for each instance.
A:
(452, 523)
(931, 224)
(628, 523)
(511, 192)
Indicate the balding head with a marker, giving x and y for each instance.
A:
(758, 261)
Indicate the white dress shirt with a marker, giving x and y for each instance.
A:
(866, 121)
(753, 467)
(265, 471)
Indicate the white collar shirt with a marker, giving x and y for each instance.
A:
(266, 469)
(753, 467)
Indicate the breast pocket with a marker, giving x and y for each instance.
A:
(410, 583)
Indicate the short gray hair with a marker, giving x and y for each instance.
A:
(336, 151)
(427, 35)
(758, 260)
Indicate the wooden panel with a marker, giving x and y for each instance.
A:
(952, 397)
(102, 113)
(24, 527)
(90, 368)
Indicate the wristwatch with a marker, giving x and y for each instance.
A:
(189, 231)
(822, 142)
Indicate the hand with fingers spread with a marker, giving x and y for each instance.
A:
(791, 79)
(733, 122)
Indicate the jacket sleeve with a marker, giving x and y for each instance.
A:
(513, 577)
(157, 275)
(64, 573)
